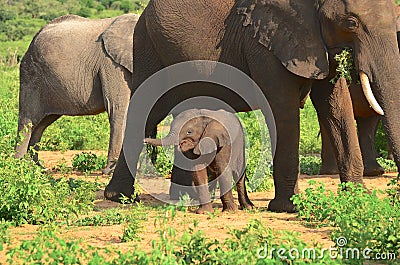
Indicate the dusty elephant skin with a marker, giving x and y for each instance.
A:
(283, 46)
(216, 136)
(367, 124)
(76, 66)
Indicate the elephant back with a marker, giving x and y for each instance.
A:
(118, 40)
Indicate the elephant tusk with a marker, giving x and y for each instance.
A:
(366, 87)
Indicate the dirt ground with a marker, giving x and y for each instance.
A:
(214, 227)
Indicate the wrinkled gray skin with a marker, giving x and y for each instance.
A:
(76, 66)
(367, 125)
(284, 46)
(216, 136)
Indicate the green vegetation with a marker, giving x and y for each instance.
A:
(345, 65)
(250, 245)
(31, 195)
(114, 216)
(88, 162)
(364, 219)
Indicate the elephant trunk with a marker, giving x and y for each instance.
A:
(387, 92)
(377, 58)
(166, 141)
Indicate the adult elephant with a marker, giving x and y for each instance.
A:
(367, 123)
(283, 46)
(76, 66)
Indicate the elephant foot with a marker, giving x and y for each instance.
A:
(246, 206)
(375, 171)
(205, 208)
(281, 205)
(116, 191)
(230, 207)
(245, 203)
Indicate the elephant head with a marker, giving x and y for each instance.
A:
(304, 36)
(200, 130)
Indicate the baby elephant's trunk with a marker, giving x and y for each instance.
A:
(168, 140)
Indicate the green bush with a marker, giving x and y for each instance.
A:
(388, 165)
(31, 196)
(361, 218)
(17, 29)
(88, 162)
(310, 165)
(310, 141)
(77, 133)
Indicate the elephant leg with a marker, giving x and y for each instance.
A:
(328, 157)
(390, 152)
(244, 200)
(367, 127)
(200, 181)
(181, 181)
(146, 63)
(282, 89)
(37, 133)
(24, 134)
(334, 109)
(225, 185)
(116, 118)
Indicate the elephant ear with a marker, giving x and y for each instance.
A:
(215, 135)
(211, 139)
(118, 40)
(290, 29)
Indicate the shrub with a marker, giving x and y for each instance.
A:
(88, 162)
(31, 196)
(362, 219)
(310, 165)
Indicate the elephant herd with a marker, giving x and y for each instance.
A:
(78, 66)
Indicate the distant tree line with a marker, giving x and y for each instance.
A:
(20, 18)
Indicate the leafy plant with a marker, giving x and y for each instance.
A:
(32, 196)
(310, 165)
(48, 248)
(114, 216)
(131, 230)
(345, 65)
(88, 162)
(387, 164)
(362, 218)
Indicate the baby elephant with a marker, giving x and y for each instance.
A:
(214, 143)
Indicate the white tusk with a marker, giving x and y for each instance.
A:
(366, 87)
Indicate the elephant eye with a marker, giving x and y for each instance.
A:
(188, 132)
(351, 23)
